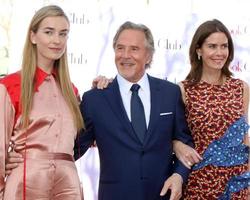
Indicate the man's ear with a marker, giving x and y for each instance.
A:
(149, 59)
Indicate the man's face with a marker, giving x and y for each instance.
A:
(131, 54)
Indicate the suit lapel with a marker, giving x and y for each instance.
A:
(155, 107)
(113, 96)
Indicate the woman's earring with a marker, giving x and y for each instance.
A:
(199, 56)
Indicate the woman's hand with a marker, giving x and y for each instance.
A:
(12, 161)
(247, 139)
(101, 82)
(186, 154)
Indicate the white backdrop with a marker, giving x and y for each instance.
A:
(93, 25)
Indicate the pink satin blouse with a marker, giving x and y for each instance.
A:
(51, 131)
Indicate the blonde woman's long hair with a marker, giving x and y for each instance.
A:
(29, 64)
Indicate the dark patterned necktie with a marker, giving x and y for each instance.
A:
(137, 113)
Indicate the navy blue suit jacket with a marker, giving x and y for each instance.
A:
(129, 169)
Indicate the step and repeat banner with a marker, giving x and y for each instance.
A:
(90, 52)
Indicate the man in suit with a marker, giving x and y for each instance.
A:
(133, 165)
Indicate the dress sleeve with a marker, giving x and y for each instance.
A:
(7, 118)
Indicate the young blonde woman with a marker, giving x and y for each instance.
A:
(39, 115)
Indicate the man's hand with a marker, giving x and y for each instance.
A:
(173, 183)
(12, 162)
(101, 82)
(186, 154)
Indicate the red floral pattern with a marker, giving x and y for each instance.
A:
(210, 110)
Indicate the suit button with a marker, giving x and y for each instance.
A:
(142, 153)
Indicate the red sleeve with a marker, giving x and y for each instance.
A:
(12, 82)
(76, 92)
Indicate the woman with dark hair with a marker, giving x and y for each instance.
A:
(216, 110)
(40, 116)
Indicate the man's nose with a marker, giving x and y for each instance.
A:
(126, 53)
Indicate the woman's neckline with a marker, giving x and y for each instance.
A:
(218, 83)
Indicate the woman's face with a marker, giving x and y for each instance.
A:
(214, 51)
(51, 40)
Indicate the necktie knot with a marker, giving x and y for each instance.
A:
(135, 87)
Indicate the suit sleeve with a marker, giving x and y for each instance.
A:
(7, 118)
(86, 137)
(182, 133)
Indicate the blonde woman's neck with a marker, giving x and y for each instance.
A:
(47, 67)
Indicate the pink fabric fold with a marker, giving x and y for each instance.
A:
(51, 132)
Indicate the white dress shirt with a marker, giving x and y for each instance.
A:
(144, 94)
